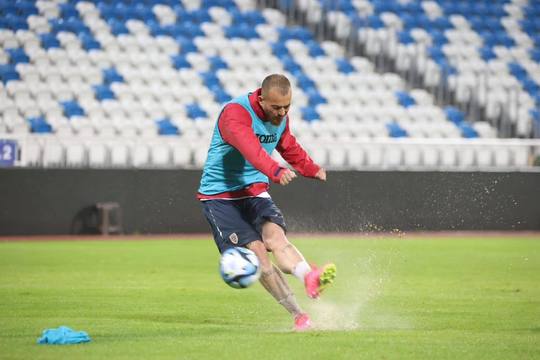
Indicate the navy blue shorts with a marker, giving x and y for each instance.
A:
(239, 222)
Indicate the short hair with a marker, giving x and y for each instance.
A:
(276, 81)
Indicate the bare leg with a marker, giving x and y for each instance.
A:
(287, 256)
(273, 281)
(291, 261)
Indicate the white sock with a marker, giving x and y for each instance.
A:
(301, 269)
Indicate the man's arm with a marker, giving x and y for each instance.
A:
(235, 128)
(297, 157)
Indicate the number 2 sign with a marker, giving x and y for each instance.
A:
(8, 152)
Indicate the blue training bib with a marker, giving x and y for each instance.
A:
(226, 169)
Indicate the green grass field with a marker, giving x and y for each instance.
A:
(411, 298)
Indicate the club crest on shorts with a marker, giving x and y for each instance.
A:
(234, 238)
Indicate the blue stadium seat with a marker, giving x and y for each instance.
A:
(294, 33)
(502, 38)
(441, 23)
(335, 5)
(371, 21)
(17, 56)
(141, 12)
(74, 25)
(487, 53)
(186, 45)
(279, 49)
(111, 75)
(194, 111)
(467, 131)
(72, 108)
(375, 22)
(201, 15)
(530, 86)
(117, 27)
(438, 38)
(517, 70)
(314, 97)
(25, 8)
(8, 73)
(88, 42)
(445, 67)
(103, 92)
(166, 127)
(68, 10)
(39, 125)
(535, 55)
(180, 62)
(315, 48)
(304, 81)
(242, 31)
(155, 28)
(252, 18)
(14, 22)
(217, 63)
(226, 4)
(396, 131)
(7, 7)
(49, 41)
(454, 115)
(410, 21)
(123, 12)
(106, 10)
(310, 114)
(381, 6)
(405, 99)
(209, 79)
(345, 66)
(536, 39)
(535, 113)
(212, 82)
(220, 95)
(290, 65)
(405, 37)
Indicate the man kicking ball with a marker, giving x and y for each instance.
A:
(234, 190)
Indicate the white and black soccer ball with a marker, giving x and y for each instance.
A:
(239, 267)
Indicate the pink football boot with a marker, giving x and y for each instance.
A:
(302, 322)
(318, 279)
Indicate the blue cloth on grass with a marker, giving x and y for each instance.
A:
(63, 335)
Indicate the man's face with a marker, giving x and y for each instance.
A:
(275, 105)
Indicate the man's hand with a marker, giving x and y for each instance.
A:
(286, 177)
(321, 174)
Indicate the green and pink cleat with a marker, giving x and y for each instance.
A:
(318, 279)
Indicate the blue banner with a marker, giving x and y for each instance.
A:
(8, 153)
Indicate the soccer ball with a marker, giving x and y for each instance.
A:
(239, 267)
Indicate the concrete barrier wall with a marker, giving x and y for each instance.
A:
(39, 201)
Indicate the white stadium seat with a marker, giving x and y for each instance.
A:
(97, 155)
(53, 155)
(140, 155)
(120, 155)
(75, 155)
(181, 155)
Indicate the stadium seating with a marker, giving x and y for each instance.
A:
(485, 53)
(140, 83)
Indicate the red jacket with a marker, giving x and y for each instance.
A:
(235, 127)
